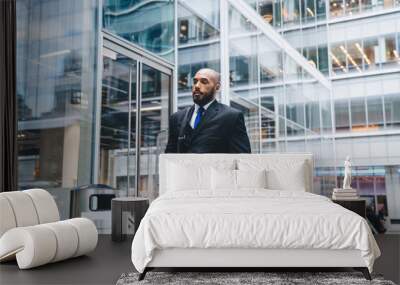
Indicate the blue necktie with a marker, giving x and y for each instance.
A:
(198, 117)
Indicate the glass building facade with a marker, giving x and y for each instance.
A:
(356, 45)
(286, 102)
(98, 79)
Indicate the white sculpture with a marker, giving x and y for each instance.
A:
(347, 173)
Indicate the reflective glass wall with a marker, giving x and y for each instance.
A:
(149, 24)
(77, 102)
(369, 45)
(286, 108)
(356, 45)
(56, 87)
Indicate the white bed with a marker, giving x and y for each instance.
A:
(218, 224)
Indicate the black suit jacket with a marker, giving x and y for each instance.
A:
(221, 130)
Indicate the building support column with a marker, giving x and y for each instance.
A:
(224, 45)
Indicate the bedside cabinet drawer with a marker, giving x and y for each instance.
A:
(357, 206)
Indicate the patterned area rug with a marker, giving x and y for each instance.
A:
(225, 278)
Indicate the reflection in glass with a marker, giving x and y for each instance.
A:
(242, 55)
(154, 124)
(118, 92)
(336, 8)
(308, 10)
(354, 57)
(270, 57)
(338, 58)
(392, 107)
(266, 10)
(352, 6)
(247, 101)
(150, 24)
(342, 115)
(294, 109)
(191, 59)
(370, 50)
(375, 112)
(56, 49)
(238, 24)
(321, 9)
(290, 12)
(358, 116)
(391, 55)
(198, 20)
(323, 61)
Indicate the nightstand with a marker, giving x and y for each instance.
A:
(126, 214)
(358, 206)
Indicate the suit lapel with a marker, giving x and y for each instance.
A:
(211, 111)
(189, 116)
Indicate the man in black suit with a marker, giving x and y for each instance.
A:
(207, 126)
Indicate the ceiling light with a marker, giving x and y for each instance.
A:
(350, 58)
(362, 53)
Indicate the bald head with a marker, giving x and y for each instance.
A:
(211, 73)
(206, 83)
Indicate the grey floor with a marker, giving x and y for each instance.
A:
(110, 260)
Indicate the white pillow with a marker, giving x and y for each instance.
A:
(183, 177)
(223, 179)
(287, 176)
(251, 178)
(282, 174)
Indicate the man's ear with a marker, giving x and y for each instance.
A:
(217, 86)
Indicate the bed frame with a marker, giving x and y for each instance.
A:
(246, 258)
(242, 259)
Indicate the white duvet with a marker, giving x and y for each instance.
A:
(250, 219)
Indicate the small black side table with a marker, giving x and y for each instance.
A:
(358, 206)
(126, 214)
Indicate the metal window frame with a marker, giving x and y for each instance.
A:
(119, 45)
(277, 39)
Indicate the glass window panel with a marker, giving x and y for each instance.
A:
(312, 117)
(270, 57)
(193, 58)
(150, 25)
(308, 10)
(354, 57)
(118, 80)
(342, 115)
(392, 107)
(154, 119)
(375, 112)
(391, 55)
(352, 6)
(238, 24)
(198, 21)
(56, 50)
(371, 50)
(321, 9)
(294, 110)
(336, 8)
(277, 13)
(290, 12)
(243, 61)
(338, 59)
(358, 117)
(247, 102)
(291, 69)
(323, 61)
(326, 114)
(388, 4)
(266, 10)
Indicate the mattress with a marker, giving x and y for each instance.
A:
(251, 219)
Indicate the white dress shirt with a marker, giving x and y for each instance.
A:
(196, 110)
